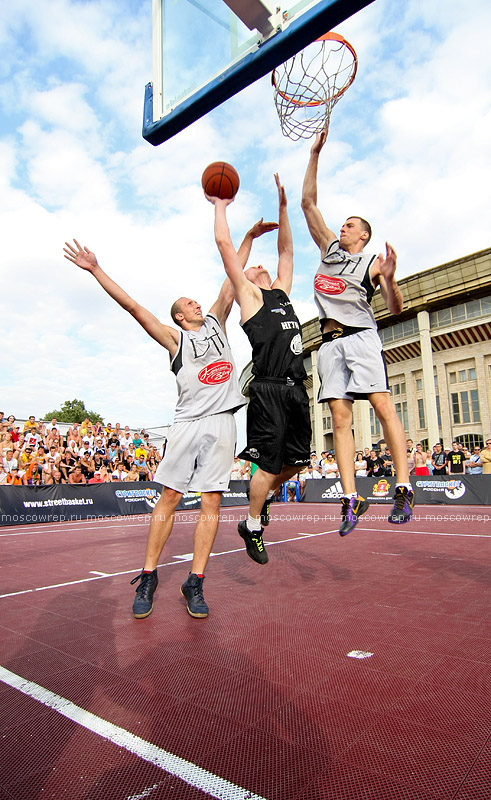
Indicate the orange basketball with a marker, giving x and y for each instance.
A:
(220, 180)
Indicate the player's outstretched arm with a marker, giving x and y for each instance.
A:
(255, 232)
(85, 259)
(225, 300)
(383, 274)
(321, 234)
(239, 287)
(285, 242)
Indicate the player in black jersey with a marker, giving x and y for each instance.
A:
(278, 420)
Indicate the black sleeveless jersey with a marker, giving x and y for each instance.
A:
(276, 338)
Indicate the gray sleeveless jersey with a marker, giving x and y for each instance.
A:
(342, 288)
(207, 380)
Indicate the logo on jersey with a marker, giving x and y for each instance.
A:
(278, 311)
(219, 372)
(326, 284)
(296, 345)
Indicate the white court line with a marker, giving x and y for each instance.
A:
(186, 771)
(431, 533)
(297, 538)
(63, 530)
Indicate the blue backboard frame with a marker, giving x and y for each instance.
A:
(274, 51)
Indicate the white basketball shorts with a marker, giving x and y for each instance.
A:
(199, 454)
(352, 367)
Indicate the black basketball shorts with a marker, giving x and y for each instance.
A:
(278, 426)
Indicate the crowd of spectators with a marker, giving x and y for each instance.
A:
(96, 453)
(40, 454)
(377, 463)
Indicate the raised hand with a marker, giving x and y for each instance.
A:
(320, 140)
(81, 256)
(388, 264)
(219, 200)
(261, 227)
(281, 190)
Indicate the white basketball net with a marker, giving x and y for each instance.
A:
(308, 85)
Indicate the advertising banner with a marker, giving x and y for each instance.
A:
(22, 505)
(465, 490)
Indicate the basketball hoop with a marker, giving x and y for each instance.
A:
(308, 85)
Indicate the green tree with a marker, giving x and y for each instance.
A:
(73, 411)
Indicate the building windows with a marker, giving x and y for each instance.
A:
(454, 398)
(419, 384)
(398, 388)
(470, 440)
(401, 410)
(421, 412)
(402, 330)
(470, 310)
(438, 411)
(463, 375)
(465, 407)
(374, 424)
(476, 411)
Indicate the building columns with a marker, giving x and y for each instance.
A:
(318, 431)
(428, 379)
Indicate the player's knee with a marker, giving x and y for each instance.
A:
(169, 497)
(384, 408)
(341, 420)
(210, 502)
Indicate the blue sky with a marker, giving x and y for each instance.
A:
(409, 149)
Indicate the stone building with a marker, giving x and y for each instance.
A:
(438, 356)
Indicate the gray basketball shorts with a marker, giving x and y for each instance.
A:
(199, 454)
(352, 367)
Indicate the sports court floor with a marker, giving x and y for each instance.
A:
(345, 669)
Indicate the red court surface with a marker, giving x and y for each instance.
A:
(353, 668)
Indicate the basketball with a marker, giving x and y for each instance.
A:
(220, 180)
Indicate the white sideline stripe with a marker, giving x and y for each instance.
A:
(186, 771)
(45, 528)
(431, 533)
(298, 537)
(103, 575)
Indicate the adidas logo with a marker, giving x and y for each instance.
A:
(336, 490)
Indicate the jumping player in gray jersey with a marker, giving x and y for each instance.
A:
(278, 420)
(201, 443)
(350, 360)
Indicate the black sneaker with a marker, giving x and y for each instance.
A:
(265, 513)
(143, 603)
(402, 510)
(192, 591)
(352, 509)
(254, 543)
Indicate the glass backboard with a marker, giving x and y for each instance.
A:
(205, 51)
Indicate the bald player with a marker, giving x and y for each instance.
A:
(201, 443)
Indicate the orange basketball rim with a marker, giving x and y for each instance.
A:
(344, 45)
